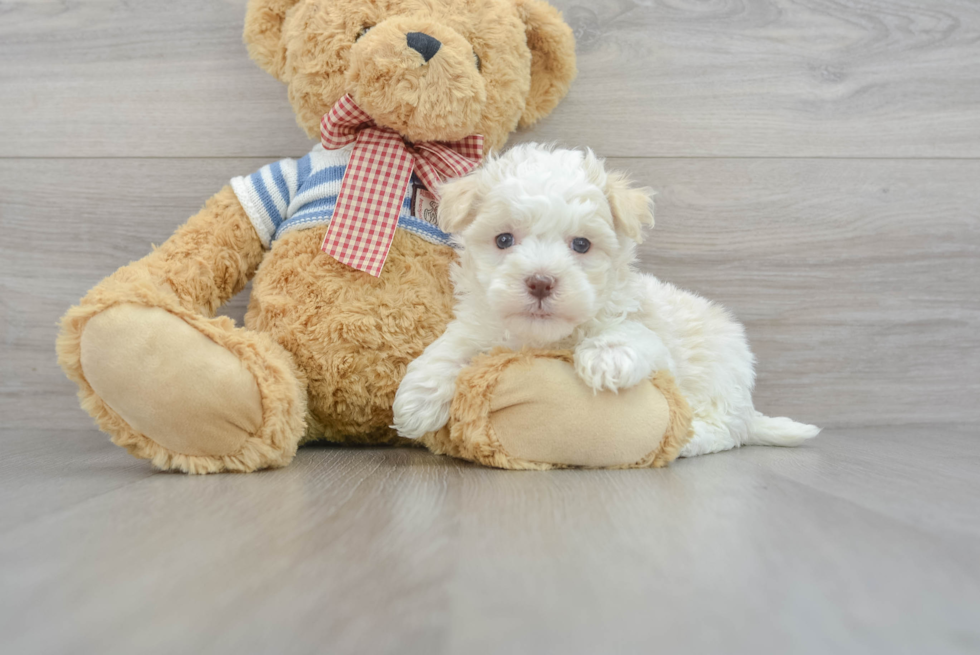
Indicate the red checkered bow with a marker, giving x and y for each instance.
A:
(380, 169)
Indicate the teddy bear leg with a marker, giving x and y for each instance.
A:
(187, 392)
(531, 411)
(169, 382)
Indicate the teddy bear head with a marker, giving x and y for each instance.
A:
(432, 70)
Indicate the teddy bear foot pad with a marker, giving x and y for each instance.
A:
(187, 402)
(531, 411)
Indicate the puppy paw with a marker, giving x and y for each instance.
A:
(419, 409)
(611, 367)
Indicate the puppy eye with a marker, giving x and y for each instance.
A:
(505, 240)
(581, 245)
(364, 30)
(479, 62)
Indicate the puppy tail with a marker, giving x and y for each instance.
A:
(778, 431)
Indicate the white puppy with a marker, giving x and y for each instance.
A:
(548, 241)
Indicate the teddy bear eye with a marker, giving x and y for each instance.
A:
(505, 240)
(479, 63)
(581, 245)
(364, 30)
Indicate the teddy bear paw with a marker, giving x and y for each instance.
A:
(187, 402)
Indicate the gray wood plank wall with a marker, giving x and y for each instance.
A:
(818, 166)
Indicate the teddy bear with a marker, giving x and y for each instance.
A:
(349, 270)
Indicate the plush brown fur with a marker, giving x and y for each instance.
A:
(679, 431)
(353, 334)
(526, 52)
(327, 345)
(206, 262)
(471, 435)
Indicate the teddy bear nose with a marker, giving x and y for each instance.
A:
(423, 44)
(540, 286)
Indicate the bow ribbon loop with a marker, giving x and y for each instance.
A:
(380, 168)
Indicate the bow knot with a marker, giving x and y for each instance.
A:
(380, 168)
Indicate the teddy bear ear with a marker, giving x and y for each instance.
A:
(632, 207)
(263, 33)
(459, 199)
(552, 58)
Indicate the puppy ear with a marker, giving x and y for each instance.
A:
(632, 207)
(263, 33)
(552, 58)
(459, 199)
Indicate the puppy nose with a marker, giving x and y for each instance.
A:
(423, 44)
(540, 286)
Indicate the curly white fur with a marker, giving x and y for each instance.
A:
(622, 325)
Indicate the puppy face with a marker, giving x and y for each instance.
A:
(547, 236)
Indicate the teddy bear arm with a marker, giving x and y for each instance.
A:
(201, 266)
(211, 257)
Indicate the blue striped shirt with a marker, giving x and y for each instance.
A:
(296, 194)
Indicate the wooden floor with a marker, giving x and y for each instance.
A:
(867, 541)
(818, 164)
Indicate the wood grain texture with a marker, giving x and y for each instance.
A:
(786, 78)
(857, 280)
(775, 78)
(862, 541)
